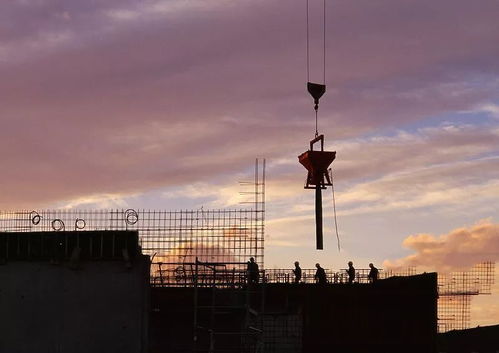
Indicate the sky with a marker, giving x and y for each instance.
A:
(165, 104)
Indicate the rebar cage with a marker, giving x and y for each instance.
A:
(175, 240)
(455, 291)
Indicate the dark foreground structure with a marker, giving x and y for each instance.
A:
(73, 292)
(479, 340)
(398, 314)
(91, 291)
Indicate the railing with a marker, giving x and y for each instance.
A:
(235, 274)
(201, 274)
(308, 276)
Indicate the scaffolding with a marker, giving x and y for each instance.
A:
(456, 289)
(227, 317)
(173, 239)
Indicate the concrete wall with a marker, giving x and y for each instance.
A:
(100, 307)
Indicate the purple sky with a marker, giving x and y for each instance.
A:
(165, 104)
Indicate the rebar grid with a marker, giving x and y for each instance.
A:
(477, 280)
(455, 291)
(173, 238)
(454, 312)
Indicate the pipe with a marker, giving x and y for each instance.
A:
(318, 217)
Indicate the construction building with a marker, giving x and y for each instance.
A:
(77, 291)
(176, 281)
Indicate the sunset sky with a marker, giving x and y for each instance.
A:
(165, 104)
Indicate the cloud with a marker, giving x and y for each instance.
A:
(485, 308)
(439, 186)
(222, 195)
(102, 201)
(430, 168)
(121, 97)
(437, 145)
(189, 251)
(460, 249)
(492, 109)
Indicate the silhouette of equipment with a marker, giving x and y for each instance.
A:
(316, 90)
(317, 164)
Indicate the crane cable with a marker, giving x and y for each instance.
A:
(323, 58)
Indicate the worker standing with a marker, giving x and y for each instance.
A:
(373, 274)
(253, 271)
(297, 272)
(320, 275)
(351, 272)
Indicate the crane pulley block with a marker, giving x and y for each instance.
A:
(316, 90)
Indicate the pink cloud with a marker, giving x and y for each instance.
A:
(454, 252)
(460, 249)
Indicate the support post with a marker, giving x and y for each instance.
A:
(195, 328)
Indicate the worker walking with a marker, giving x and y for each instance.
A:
(297, 272)
(373, 274)
(320, 275)
(351, 272)
(253, 271)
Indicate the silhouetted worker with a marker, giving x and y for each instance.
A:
(253, 271)
(351, 272)
(373, 274)
(320, 275)
(297, 272)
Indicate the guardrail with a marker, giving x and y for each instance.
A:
(235, 275)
